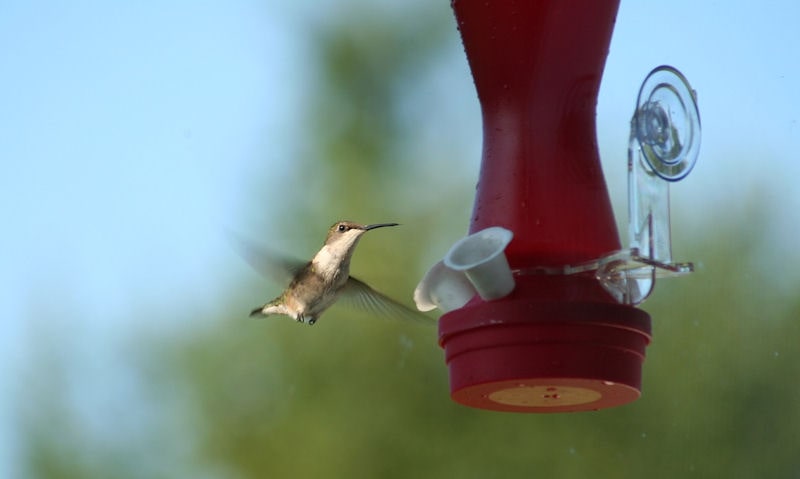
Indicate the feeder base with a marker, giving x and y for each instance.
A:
(556, 357)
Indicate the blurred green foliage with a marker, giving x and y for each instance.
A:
(356, 397)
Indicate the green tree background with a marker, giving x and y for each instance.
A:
(354, 397)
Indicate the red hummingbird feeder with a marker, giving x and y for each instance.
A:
(539, 299)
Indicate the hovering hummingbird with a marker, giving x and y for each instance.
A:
(318, 284)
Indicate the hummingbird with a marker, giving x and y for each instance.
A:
(316, 285)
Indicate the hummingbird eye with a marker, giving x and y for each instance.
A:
(342, 228)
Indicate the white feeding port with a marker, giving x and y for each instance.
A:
(443, 288)
(481, 257)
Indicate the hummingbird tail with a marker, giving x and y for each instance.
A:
(275, 306)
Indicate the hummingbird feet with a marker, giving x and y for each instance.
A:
(302, 319)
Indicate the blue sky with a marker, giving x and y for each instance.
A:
(130, 134)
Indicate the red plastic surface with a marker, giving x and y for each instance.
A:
(558, 343)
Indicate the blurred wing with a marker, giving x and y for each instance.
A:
(359, 294)
(277, 267)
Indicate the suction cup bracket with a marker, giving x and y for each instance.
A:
(663, 148)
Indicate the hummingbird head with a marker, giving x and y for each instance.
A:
(334, 257)
(344, 235)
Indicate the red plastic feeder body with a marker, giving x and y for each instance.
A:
(557, 343)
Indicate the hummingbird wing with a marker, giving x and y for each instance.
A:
(277, 267)
(360, 295)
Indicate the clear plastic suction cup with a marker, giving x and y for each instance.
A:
(667, 123)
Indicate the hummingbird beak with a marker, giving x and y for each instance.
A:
(379, 225)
